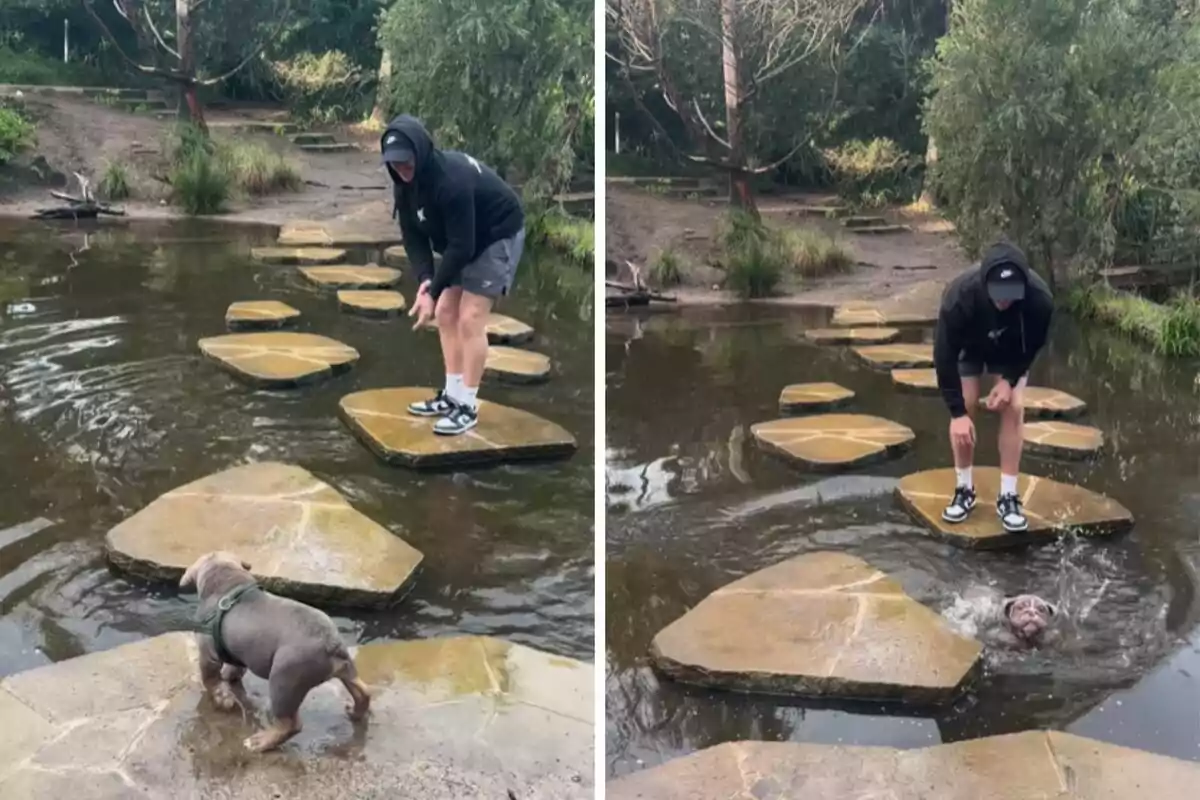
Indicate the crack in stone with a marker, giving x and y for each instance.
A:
(487, 666)
(1058, 771)
(859, 617)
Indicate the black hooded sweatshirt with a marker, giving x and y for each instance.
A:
(455, 206)
(969, 323)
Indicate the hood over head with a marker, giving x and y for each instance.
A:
(1005, 272)
(407, 138)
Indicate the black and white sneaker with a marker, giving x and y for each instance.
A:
(960, 505)
(460, 420)
(437, 406)
(1008, 508)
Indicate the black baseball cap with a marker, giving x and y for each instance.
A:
(398, 148)
(1005, 282)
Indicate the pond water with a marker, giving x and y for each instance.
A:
(693, 505)
(106, 403)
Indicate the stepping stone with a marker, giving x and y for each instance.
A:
(800, 398)
(313, 138)
(863, 314)
(109, 725)
(864, 222)
(298, 255)
(279, 360)
(1064, 439)
(501, 330)
(259, 315)
(517, 366)
(1043, 403)
(852, 335)
(371, 303)
(1011, 767)
(819, 625)
(892, 356)
(920, 381)
(336, 147)
(877, 230)
(379, 417)
(300, 536)
(396, 256)
(833, 441)
(1051, 508)
(348, 276)
(317, 235)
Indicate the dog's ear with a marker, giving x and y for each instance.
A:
(1053, 609)
(1008, 604)
(189, 577)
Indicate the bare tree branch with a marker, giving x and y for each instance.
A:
(154, 29)
(708, 127)
(108, 34)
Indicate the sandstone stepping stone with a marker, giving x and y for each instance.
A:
(977, 769)
(833, 441)
(396, 256)
(1051, 508)
(379, 418)
(1043, 403)
(259, 315)
(279, 360)
(448, 715)
(1065, 439)
(371, 303)
(301, 537)
(852, 335)
(808, 397)
(892, 356)
(819, 625)
(298, 255)
(502, 330)
(921, 381)
(320, 236)
(854, 315)
(518, 366)
(348, 276)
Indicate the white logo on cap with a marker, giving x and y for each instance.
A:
(391, 139)
(1006, 274)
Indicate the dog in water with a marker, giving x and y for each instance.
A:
(1028, 617)
(294, 647)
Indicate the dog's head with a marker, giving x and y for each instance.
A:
(210, 566)
(1028, 616)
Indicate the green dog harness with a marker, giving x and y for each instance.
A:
(210, 623)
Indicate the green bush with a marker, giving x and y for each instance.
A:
(114, 184)
(323, 88)
(570, 236)
(16, 134)
(667, 268)
(811, 253)
(754, 267)
(873, 173)
(1171, 329)
(256, 169)
(27, 67)
(201, 184)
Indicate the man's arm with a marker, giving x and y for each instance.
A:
(418, 249)
(458, 211)
(1036, 332)
(947, 346)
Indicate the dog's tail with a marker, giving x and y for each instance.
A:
(343, 663)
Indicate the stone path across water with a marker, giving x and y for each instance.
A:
(852, 335)
(451, 718)
(279, 360)
(1064, 439)
(371, 303)
(862, 314)
(259, 315)
(298, 256)
(1047, 765)
(517, 366)
(800, 398)
(352, 277)
(318, 234)
(300, 536)
(892, 356)
(818, 625)
(379, 417)
(833, 441)
(1050, 506)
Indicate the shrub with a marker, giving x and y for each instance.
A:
(570, 236)
(16, 134)
(258, 170)
(323, 88)
(666, 269)
(812, 253)
(873, 173)
(200, 183)
(1172, 329)
(114, 184)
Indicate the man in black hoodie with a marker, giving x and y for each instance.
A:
(994, 318)
(447, 202)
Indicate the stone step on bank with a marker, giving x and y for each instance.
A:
(451, 718)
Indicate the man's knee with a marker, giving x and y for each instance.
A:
(447, 315)
(1015, 408)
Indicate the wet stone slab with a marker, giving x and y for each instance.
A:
(896, 356)
(1063, 439)
(920, 381)
(852, 315)
(818, 625)
(298, 255)
(502, 330)
(1051, 507)
(279, 360)
(259, 315)
(1021, 766)
(1043, 403)
(395, 256)
(452, 718)
(352, 277)
(852, 335)
(371, 303)
(833, 441)
(802, 398)
(317, 234)
(379, 418)
(517, 366)
(300, 536)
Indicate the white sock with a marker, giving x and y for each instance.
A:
(1008, 484)
(964, 477)
(453, 386)
(467, 396)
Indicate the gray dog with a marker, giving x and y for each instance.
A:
(1028, 617)
(292, 646)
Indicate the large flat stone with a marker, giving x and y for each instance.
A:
(855, 315)
(1035, 765)
(833, 441)
(301, 537)
(802, 398)
(818, 625)
(896, 356)
(298, 255)
(316, 234)
(852, 335)
(502, 330)
(1051, 508)
(1043, 403)
(279, 360)
(1063, 439)
(395, 256)
(517, 366)
(352, 277)
(452, 718)
(371, 303)
(259, 315)
(379, 418)
(920, 381)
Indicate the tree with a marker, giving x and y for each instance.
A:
(205, 31)
(762, 46)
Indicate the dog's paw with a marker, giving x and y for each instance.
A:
(262, 741)
(224, 698)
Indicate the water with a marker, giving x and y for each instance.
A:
(694, 505)
(106, 403)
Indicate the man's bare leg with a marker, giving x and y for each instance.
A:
(447, 315)
(1012, 439)
(472, 334)
(964, 454)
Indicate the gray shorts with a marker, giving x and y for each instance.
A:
(491, 275)
(972, 367)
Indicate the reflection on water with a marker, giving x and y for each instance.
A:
(693, 506)
(106, 403)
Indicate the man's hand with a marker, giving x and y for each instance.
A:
(962, 431)
(422, 307)
(424, 288)
(1000, 396)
